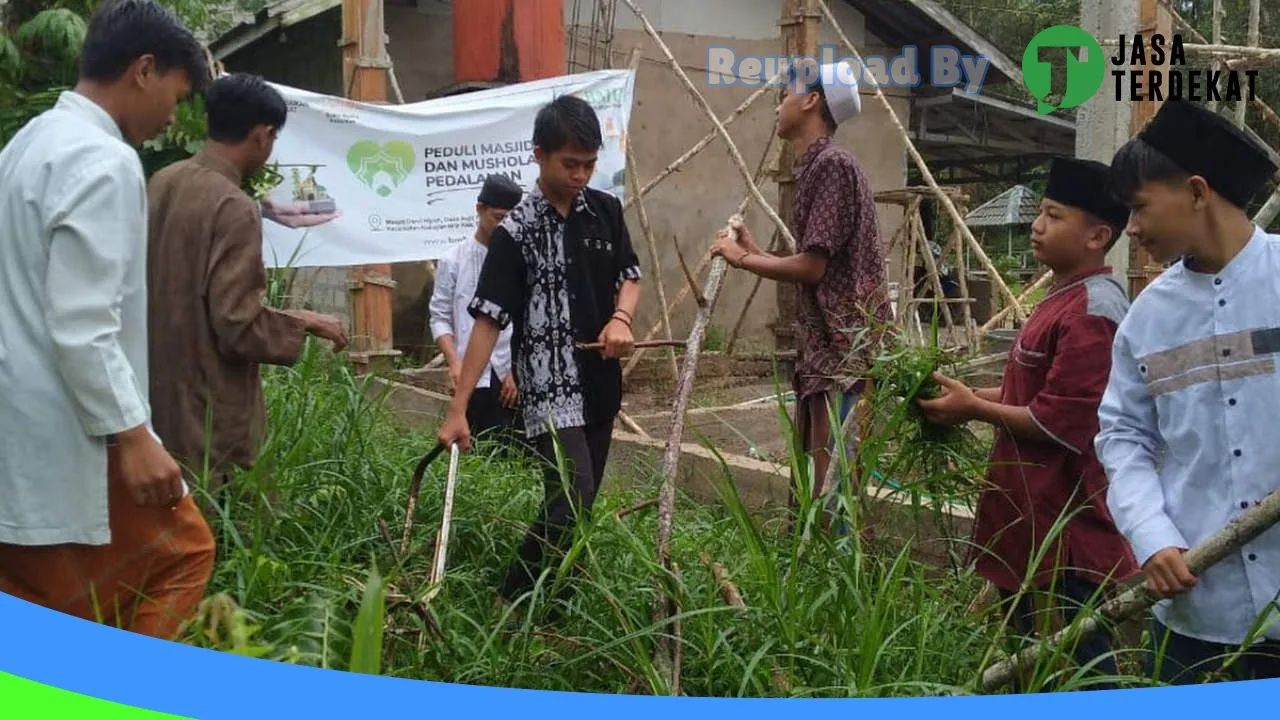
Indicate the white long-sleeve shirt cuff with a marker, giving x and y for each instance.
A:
(1153, 535)
(440, 328)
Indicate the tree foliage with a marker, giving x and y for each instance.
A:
(40, 45)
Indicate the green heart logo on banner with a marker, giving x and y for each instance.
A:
(381, 167)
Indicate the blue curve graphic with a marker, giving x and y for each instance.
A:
(110, 664)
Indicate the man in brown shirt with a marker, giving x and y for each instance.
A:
(206, 280)
(842, 300)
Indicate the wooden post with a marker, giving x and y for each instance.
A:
(1242, 108)
(364, 75)
(1217, 40)
(1142, 268)
(800, 22)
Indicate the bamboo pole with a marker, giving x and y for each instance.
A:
(1042, 282)
(931, 267)
(632, 426)
(942, 196)
(766, 160)
(633, 180)
(1235, 57)
(671, 457)
(1269, 210)
(962, 277)
(1217, 40)
(702, 144)
(1249, 525)
(754, 190)
(728, 591)
(1255, 12)
(1267, 111)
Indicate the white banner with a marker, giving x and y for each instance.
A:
(366, 184)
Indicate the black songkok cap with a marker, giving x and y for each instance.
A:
(1207, 144)
(500, 191)
(1086, 184)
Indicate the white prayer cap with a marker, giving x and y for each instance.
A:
(840, 86)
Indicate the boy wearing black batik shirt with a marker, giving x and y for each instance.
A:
(561, 270)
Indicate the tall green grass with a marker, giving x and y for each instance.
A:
(307, 574)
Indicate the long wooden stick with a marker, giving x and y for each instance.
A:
(671, 458)
(436, 579)
(1245, 528)
(633, 179)
(1045, 278)
(766, 160)
(942, 196)
(641, 345)
(753, 189)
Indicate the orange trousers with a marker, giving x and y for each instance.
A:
(149, 579)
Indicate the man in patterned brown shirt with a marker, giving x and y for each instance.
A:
(839, 265)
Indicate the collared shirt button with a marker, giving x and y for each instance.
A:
(1244, 504)
(1222, 303)
(1237, 452)
(1252, 557)
(1232, 402)
(1217, 281)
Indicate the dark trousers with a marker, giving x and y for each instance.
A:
(1070, 594)
(489, 420)
(1180, 660)
(585, 449)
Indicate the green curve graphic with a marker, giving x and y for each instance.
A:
(21, 699)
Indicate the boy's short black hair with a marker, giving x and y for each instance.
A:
(567, 121)
(236, 104)
(1116, 231)
(121, 31)
(1136, 163)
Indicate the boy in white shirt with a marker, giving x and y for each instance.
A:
(95, 520)
(493, 403)
(1188, 419)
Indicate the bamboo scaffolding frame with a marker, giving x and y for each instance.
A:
(1255, 17)
(1040, 283)
(633, 179)
(931, 267)
(766, 160)
(943, 197)
(752, 187)
(1267, 111)
(701, 145)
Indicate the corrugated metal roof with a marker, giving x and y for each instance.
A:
(276, 15)
(1016, 206)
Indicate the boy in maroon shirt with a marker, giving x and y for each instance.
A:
(1043, 467)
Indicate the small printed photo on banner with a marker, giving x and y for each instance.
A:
(301, 201)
